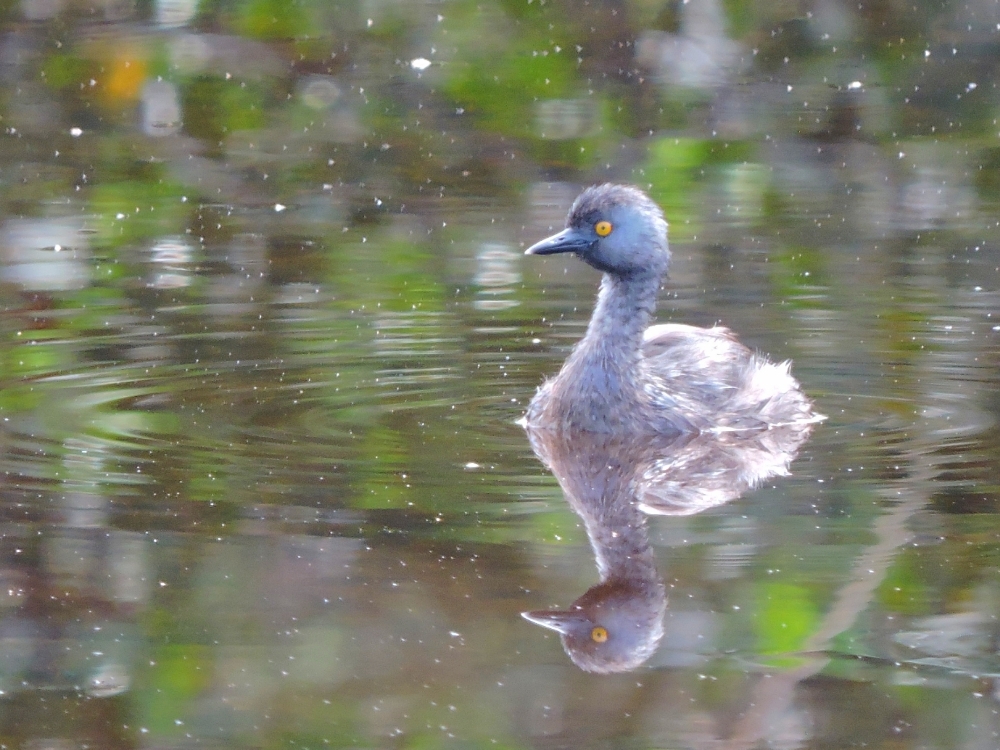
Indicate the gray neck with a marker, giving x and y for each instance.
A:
(605, 366)
(625, 306)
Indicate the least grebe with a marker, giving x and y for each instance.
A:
(671, 378)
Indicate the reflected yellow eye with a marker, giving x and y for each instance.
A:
(603, 229)
(599, 634)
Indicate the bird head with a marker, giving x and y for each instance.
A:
(616, 229)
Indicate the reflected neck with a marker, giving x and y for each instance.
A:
(620, 541)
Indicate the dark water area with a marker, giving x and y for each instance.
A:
(266, 328)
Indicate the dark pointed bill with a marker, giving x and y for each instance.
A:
(567, 241)
(561, 622)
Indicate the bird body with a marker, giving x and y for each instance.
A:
(627, 376)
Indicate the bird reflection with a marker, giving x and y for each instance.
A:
(612, 482)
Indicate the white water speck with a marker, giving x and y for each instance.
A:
(420, 63)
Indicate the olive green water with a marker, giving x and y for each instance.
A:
(267, 327)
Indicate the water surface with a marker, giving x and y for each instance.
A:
(267, 328)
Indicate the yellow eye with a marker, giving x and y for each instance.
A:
(603, 229)
(599, 634)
